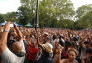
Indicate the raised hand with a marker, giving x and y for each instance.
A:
(7, 27)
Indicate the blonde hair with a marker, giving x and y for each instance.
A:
(75, 50)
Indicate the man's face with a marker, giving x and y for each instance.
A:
(45, 37)
(16, 47)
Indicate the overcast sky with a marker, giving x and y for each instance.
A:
(12, 5)
(9, 5)
(78, 3)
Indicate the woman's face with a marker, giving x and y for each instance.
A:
(72, 55)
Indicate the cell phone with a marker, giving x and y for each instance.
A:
(11, 30)
(11, 25)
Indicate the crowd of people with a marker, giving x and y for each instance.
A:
(45, 45)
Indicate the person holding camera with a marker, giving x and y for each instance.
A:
(17, 52)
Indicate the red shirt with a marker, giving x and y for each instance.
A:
(64, 55)
(32, 52)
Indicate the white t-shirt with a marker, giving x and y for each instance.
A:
(9, 57)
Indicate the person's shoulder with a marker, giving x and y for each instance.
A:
(76, 61)
(63, 61)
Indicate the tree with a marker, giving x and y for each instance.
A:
(11, 16)
(50, 10)
(83, 10)
(1, 18)
(60, 9)
(66, 23)
(84, 16)
(86, 20)
(24, 15)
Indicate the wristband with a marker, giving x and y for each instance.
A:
(5, 30)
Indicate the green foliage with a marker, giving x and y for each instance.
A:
(81, 11)
(66, 23)
(24, 15)
(57, 8)
(86, 20)
(11, 16)
(1, 18)
(84, 15)
(52, 13)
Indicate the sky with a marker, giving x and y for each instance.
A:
(12, 5)
(9, 5)
(78, 3)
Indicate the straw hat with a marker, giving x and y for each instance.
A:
(46, 33)
(47, 47)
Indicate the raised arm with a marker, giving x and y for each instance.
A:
(18, 31)
(58, 52)
(4, 35)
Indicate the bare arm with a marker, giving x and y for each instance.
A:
(58, 59)
(4, 35)
(58, 54)
(18, 31)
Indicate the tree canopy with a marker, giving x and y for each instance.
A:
(52, 13)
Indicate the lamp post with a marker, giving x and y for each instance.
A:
(37, 20)
(37, 14)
